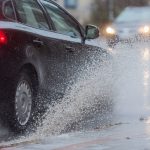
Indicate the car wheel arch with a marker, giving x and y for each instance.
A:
(32, 71)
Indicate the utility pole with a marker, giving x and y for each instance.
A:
(111, 10)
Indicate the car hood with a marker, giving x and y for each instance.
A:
(129, 25)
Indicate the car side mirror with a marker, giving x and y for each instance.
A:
(92, 32)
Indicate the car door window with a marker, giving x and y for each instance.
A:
(31, 14)
(63, 23)
(8, 10)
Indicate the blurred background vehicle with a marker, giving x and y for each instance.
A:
(131, 23)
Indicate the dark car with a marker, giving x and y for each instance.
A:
(133, 22)
(41, 49)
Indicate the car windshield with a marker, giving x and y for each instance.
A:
(134, 14)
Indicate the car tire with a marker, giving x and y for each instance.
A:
(23, 110)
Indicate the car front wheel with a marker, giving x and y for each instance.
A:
(23, 109)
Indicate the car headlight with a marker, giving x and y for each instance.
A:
(110, 30)
(145, 29)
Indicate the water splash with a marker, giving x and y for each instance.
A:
(90, 94)
(99, 85)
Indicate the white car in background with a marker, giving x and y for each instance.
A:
(131, 23)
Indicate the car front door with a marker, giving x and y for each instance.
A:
(69, 37)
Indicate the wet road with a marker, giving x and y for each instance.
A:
(125, 126)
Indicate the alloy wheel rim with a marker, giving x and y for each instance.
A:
(23, 102)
